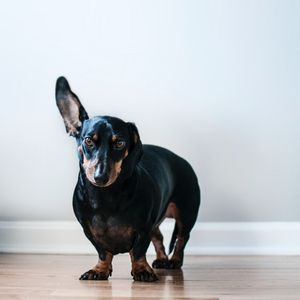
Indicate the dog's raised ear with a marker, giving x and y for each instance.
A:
(71, 110)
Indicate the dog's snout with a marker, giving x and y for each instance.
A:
(100, 174)
(100, 168)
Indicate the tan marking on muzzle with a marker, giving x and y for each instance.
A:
(116, 169)
(126, 154)
(89, 166)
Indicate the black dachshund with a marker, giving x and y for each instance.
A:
(126, 189)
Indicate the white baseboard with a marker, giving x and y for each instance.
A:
(264, 238)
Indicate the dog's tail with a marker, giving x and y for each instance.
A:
(173, 239)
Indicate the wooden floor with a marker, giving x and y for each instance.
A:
(202, 277)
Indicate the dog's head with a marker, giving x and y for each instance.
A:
(107, 146)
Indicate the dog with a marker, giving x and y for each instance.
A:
(125, 190)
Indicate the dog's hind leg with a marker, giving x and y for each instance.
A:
(182, 238)
(161, 260)
(185, 214)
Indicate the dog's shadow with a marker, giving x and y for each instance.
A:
(164, 287)
(167, 275)
(121, 287)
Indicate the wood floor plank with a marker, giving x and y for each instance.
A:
(202, 277)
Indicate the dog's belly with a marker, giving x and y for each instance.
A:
(111, 235)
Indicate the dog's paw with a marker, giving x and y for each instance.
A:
(94, 275)
(144, 275)
(174, 264)
(160, 264)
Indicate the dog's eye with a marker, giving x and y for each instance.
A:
(88, 141)
(119, 144)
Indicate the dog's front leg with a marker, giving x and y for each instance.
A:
(141, 270)
(102, 270)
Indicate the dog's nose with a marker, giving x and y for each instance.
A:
(100, 175)
(101, 179)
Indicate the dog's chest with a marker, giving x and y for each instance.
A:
(112, 234)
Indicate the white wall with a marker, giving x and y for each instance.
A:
(215, 81)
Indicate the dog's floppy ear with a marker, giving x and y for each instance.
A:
(135, 151)
(70, 108)
(136, 148)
